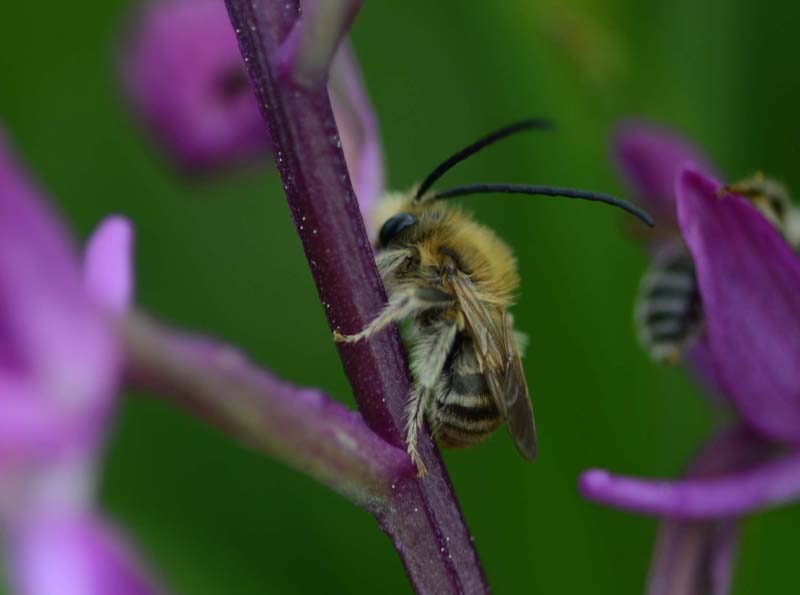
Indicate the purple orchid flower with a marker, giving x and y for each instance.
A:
(749, 281)
(59, 368)
(185, 77)
(67, 339)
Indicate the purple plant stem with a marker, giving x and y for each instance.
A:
(300, 426)
(424, 522)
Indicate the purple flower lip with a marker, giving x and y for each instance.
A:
(735, 474)
(733, 495)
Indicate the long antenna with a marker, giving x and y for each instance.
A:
(481, 143)
(546, 191)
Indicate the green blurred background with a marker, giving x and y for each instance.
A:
(221, 256)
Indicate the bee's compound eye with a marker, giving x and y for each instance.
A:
(393, 226)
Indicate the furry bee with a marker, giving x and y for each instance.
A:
(669, 313)
(772, 198)
(455, 280)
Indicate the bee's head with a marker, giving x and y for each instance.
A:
(768, 195)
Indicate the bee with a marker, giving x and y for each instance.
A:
(774, 201)
(454, 281)
(669, 313)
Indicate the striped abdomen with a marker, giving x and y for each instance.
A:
(669, 313)
(464, 412)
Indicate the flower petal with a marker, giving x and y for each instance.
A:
(358, 129)
(766, 484)
(55, 347)
(186, 79)
(309, 48)
(74, 554)
(108, 264)
(749, 281)
(649, 157)
(31, 428)
(62, 479)
(702, 364)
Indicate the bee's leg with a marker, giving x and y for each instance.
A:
(401, 305)
(415, 413)
(520, 339)
(388, 261)
(429, 358)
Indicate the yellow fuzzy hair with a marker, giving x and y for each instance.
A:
(487, 259)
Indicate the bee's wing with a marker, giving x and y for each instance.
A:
(515, 392)
(498, 355)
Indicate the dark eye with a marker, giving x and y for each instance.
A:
(393, 226)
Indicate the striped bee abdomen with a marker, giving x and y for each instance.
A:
(464, 412)
(669, 314)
